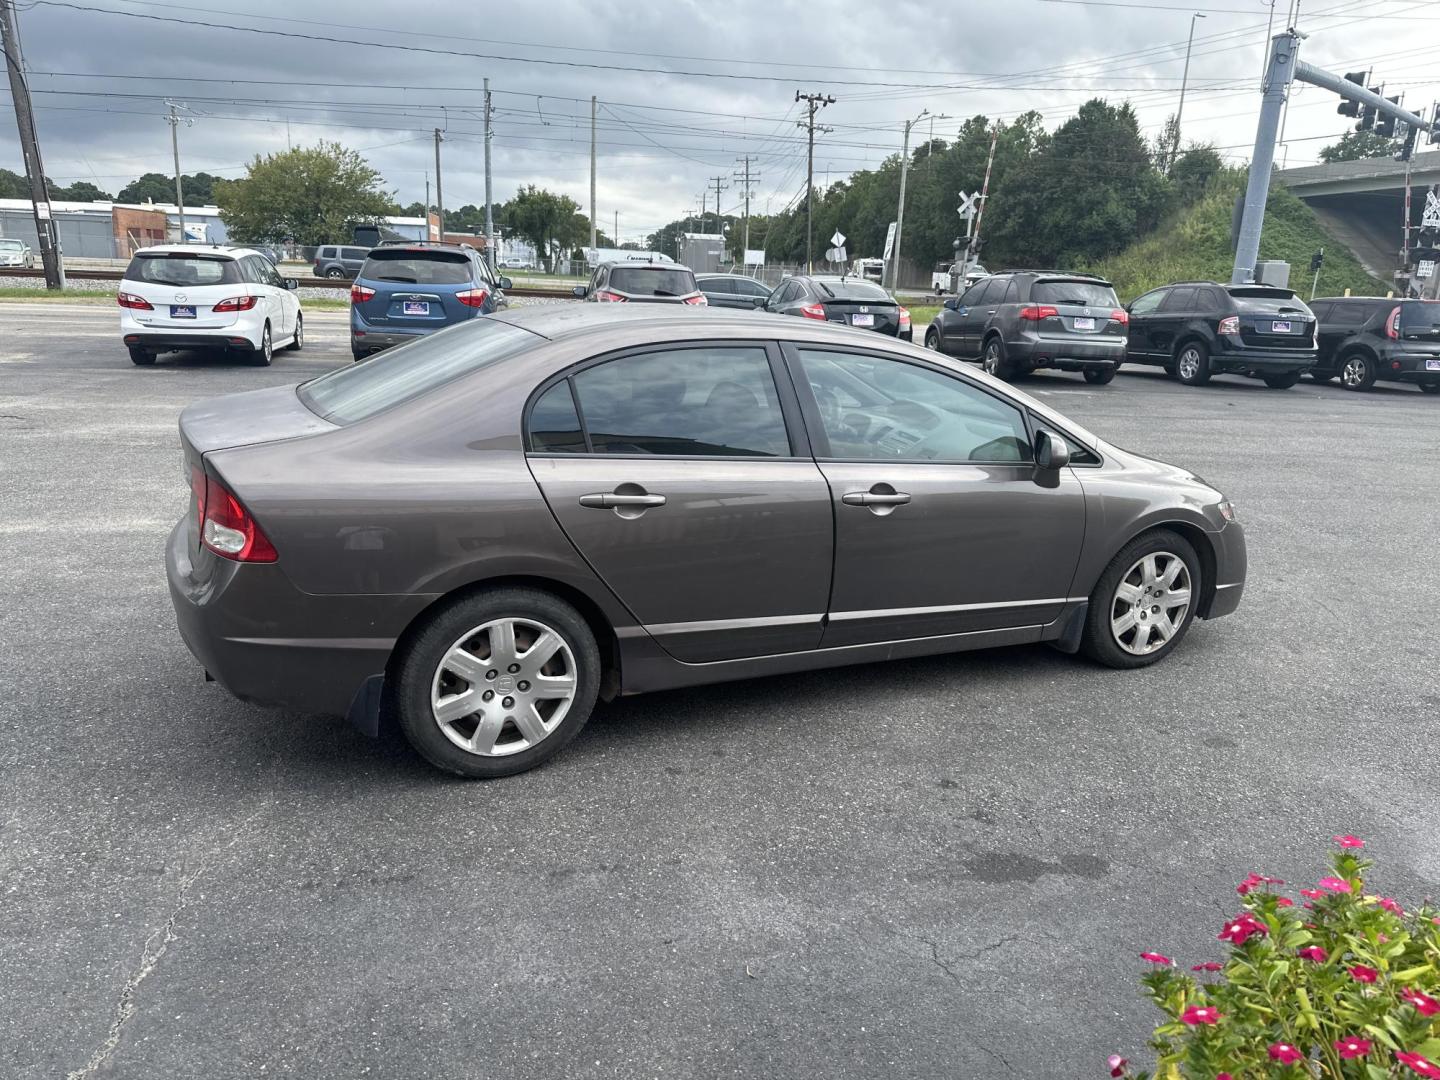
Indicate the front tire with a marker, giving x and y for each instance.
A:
(1144, 602)
(932, 339)
(1100, 376)
(299, 342)
(1357, 372)
(141, 357)
(1192, 364)
(1282, 382)
(497, 682)
(262, 356)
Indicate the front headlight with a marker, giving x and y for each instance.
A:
(1227, 509)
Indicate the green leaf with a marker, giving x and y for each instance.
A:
(1430, 1048)
(1382, 1035)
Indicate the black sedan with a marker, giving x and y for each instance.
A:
(841, 300)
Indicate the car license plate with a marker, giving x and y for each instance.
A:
(862, 320)
(1432, 365)
(182, 311)
(1084, 324)
(1280, 328)
(417, 307)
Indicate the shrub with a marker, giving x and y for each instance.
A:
(1342, 985)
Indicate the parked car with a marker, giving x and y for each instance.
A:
(638, 282)
(405, 291)
(845, 300)
(15, 253)
(732, 290)
(946, 273)
(222, 299)
(333, 261)
(742, 497)
(1021, 320)
(1363, 339)
(1196, 329)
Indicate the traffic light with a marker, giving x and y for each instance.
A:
(1367, 113)
(1317, 260)
(1348, 107)
(1385, 126)
(1407, 149)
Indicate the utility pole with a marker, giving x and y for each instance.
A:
(174, 120)
(900, 210)
(593, 219)
(489, 213)
(719, 186)
(439, 198)
(615, 237)
(45, 231)
(812, 102)
(746, 178)
(1184, 80)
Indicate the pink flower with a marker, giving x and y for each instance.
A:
(1391, 906)
(1334, 884)
(1361, 973)
(1284, 901)
(1117, 1064)
(1424, 1004)
(1201, 1014)
(1417, 1064)
(1352, 1047)
(1242, 929)
(1284, 1053)
(1209, 965)
(1156, 958)
(1249, 883)
(1313, 894)
(1223, 1076)
(1349, 841)
(1315, 953)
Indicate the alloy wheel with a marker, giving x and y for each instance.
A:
(1188, 365)
(1150, 603)
(1354, 372)
(266, 351)
(504, 687)
(992, 358)
(932, 340)
(299, 332)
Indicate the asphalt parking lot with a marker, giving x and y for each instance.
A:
(931, 868)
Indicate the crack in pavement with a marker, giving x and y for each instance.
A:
(945, 966)
(998, 1057)
(156, 946)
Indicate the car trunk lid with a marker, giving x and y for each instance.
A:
(881, 315)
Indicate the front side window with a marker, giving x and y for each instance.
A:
(715, 401)
(875, 408)
(1144, 305)
(718, 286)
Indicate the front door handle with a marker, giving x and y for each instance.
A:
(881, 499)
(613, 500)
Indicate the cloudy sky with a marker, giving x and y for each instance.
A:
(686, 88)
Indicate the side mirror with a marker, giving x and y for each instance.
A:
(1052, 453)
(505, 283)
(952, 304)
(759, 301)
(291, 284)
(579, 292)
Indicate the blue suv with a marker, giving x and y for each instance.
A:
(408, 290)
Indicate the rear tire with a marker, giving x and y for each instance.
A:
(1430, 387)
(425, 679)
(992, 359)
(357, 355)
(1282, 382)
(1103, 641)
(299, 342)
(141, 357)
(334, 273)
(262, 356)
(1100, 377)
(1192, 364)
(1357, 371)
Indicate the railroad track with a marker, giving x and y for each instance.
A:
(341, 284)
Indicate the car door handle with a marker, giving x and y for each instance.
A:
(881, 499)
(612, 500)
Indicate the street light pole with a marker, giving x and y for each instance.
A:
(900, 210)
(1184, 79)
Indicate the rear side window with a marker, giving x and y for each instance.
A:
(325, 253)
(354, 254)
(554, 423)
(1179, 300)
(184, 269)
(397, 375)
(417, 267)
(718, 286)
(646, 281)
(718, 401)
(1012, 292)
(1085, 293)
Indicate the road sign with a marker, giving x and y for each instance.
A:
(967, 204)
(889, 241)
(1431, 218)
(754, 256)
(1425, 269)
(838, 240)
(835, 254)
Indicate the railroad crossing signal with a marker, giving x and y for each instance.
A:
(967, 204)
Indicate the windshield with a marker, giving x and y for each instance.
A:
(647, 281)
(397, 375)
(179, 269)
(1087, 293)
(853, 289)
(411, 267)
(11, 245)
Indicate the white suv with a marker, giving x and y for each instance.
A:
(222, 298)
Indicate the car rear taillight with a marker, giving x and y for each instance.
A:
(227, 528)
(1121, 316)
(130, 300)
(1229, 325)
(360, 293)
(237, 303)
(1392, 324)
(473, 297)
(696, 301)
(904, 319)
(605, 296)
(1036, 312)
(813, 311)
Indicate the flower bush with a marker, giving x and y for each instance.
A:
(1345, 986)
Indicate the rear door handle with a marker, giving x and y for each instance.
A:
(874, 498)
(611, 501)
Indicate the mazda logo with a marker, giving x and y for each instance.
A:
(180, 298)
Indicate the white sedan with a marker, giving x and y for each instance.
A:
(217, 298)
(15, 253)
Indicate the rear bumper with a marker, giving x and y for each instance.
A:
(229, 617)
(1231, 356)
(372, 337)
(1412, 367)
(1068, 353)
(229, 338)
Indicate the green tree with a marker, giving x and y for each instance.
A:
(199, 188)
(80, 191)
(541, 216)
(309, 195)
(1354, 145)
(1193, 171)
(13, 185)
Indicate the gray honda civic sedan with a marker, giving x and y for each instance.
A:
(481, 533)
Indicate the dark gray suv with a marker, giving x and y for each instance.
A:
(1020, 320)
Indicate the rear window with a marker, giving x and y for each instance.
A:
(646, 281)
(184, 269)
(397, 375)
(1085, 293)
(1258, 301)
(417, 267)
(1419, 315)
(853, 290)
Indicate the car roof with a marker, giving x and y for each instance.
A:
(645, 264)
(212, 250)
(1371, 300)
(421, 246)
(710, 275)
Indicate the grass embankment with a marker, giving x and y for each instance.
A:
(1195, 245)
